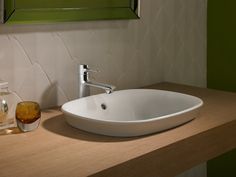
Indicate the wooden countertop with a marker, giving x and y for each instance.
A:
(57, 150)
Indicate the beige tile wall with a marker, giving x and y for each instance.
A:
(167, 44)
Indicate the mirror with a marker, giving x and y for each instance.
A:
(50, 11)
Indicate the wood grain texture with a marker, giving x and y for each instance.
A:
(56, 150)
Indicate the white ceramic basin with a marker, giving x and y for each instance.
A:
(129, 113)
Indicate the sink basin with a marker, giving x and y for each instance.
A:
(128, 113)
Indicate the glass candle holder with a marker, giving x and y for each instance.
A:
(28, 115)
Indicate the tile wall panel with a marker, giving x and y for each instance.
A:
(168, 43)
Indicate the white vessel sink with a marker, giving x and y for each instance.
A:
(129, 113)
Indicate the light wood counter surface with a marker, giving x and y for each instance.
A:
(57, 150)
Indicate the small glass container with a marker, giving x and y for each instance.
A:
(7, 118)
(28, 115)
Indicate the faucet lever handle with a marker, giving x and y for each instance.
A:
(84, 69)
(91, 70)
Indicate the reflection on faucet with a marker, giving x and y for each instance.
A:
(85, 83)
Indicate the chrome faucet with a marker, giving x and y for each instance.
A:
(85, 83)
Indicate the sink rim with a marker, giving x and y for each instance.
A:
(168, 116)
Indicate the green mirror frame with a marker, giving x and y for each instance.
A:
(51, 11)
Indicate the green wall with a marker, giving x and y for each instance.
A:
(221, 68)
(222, 44)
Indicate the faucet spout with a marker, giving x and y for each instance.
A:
(108, 88)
